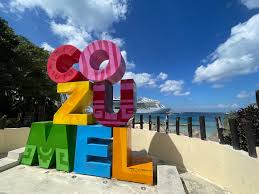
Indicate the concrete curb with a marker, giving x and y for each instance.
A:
(13, 159)
(168, 180)
(16, 154)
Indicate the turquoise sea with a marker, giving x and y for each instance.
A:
(209, 120)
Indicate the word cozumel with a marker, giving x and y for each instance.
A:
(97, 143)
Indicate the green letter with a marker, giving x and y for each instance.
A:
(47, 140)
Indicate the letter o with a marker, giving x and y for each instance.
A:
(97, 52)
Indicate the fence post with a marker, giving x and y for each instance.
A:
(177, 123)
(141, 121)
(234, 133)
(220, 130)
(190, 126)
(158, 124)
(167, 124)
(251, 138)
(149, 123)
(202, 127)
(133, 122)
(257, 98)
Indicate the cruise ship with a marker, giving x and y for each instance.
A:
(145, 105)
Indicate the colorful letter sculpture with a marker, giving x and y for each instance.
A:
(73, 140)
(103, 101)
(93, 150)
(97, 52)
(124, 166)
(49, 144)
(81, 94)
(60, 64)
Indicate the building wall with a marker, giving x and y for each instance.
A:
(231, 169)
(13, 138)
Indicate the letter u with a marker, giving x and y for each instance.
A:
(103, 103)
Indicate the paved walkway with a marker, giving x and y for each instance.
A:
(30, 180)
(27, 179)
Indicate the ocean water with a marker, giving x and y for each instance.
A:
(210, 123)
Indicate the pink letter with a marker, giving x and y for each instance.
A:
(97, 52)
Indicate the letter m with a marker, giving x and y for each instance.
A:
(49, 144)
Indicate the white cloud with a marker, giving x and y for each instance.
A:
(129, 64)
(173, 87)
(106, 36)
(71, 34)
(162, 76)
(93, 15)
(47, 47)
(217, 86)
(244, 94)
(1, 5)
(84, 20)
(237, 56)
(141, 79)
(149, 80)
(235, 106)
(251, 4)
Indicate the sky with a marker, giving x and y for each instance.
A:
(191, 55)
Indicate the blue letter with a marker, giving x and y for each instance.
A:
(93, 150)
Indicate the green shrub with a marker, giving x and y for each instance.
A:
(11, 123)
(251, 114)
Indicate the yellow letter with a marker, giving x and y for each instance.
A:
(81, 95)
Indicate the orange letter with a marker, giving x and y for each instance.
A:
(81, 95)
(124, 167)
